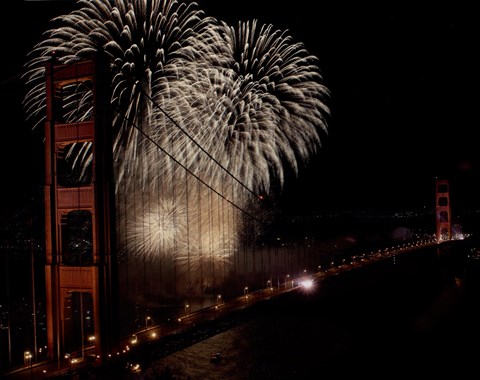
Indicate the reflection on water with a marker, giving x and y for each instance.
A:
(269, 348)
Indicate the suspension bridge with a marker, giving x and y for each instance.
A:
(127, 241)
(157, 338)
(131, 247)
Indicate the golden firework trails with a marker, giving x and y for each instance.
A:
(205, 116)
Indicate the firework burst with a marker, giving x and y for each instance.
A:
(205, 116)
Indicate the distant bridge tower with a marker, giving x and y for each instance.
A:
(443, 210)
(80, 272)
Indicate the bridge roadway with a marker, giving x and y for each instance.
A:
(189, 326)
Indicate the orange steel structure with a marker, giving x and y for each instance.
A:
(443, 210)
(96, 278)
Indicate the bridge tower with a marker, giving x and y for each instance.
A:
(443, 210)
(80, 268)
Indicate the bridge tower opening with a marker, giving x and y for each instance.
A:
(443, 210)
(80, 268)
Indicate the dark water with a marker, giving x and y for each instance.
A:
(417, 314)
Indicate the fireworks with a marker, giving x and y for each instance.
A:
(206, 115)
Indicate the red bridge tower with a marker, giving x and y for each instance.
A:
(443, 210)
(80, 262)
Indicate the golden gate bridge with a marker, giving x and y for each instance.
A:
(128, 250)
(124, 243)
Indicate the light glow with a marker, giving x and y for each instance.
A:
(306, 283)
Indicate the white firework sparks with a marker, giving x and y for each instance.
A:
(193, 100)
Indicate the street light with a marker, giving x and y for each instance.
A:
(27, 357)
(186, 308)
(134, 339)
(219, 301)
(245, 292)
(147, 318)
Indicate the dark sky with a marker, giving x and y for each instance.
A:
(404, 82)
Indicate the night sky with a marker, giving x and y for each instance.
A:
(404, 86)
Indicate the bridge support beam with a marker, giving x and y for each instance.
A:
(80, 270)
(443, 210)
